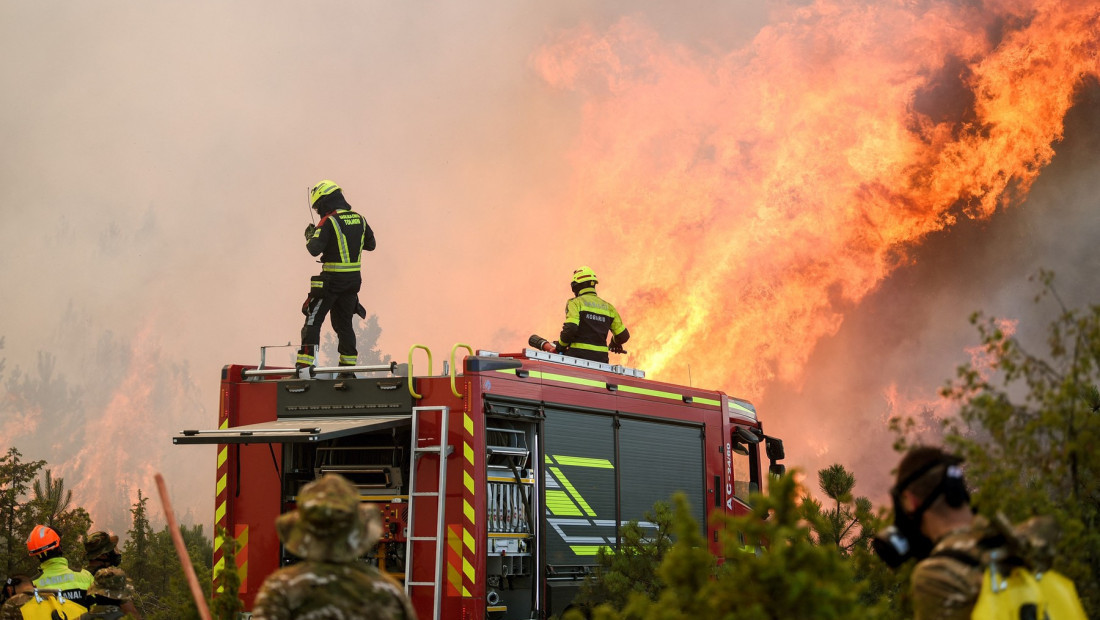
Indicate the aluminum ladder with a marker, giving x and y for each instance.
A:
(443, 450)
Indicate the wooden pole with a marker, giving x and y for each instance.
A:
(181, 551)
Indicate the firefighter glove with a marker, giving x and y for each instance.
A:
(310, 228)
(615, 347)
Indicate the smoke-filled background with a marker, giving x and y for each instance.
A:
(799, 203)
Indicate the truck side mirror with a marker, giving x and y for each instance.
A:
(774, 447)
(777, 470)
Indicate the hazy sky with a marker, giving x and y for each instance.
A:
(156, 157)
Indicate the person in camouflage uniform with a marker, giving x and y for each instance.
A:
(19, 589)
(330, 530)
(101, 551)
(946, 583)
(110, 591)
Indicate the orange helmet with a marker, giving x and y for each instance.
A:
(42, 539)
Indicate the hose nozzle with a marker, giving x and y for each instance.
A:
(541, 343)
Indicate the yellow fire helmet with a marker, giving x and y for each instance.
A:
(324, 188)
(584, 274)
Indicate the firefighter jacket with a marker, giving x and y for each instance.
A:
(340, 239)
(71, 585)
(587, 321)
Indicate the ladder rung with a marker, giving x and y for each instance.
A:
(422, 538)
(427, 449)
(421, 583)
(426, 494)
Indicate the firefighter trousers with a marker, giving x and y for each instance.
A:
(337, 294)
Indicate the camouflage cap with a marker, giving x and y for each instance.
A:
(330, 523)
(112, 583)
(99, 543)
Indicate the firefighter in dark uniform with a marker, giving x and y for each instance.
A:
(588, 319)
(339, 239)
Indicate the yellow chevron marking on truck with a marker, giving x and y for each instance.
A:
(468, 540)
(559, 504)
(453, 578)
(581, 461)
(586, 549)
(573, 492)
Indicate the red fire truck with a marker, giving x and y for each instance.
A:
(498, 481)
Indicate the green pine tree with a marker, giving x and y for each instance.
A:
(16, 517)
(633, 568)
(843, 523)
(790, 576)
(136, 560)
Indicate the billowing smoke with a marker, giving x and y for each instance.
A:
(799, 206)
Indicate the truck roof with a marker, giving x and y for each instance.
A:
(552, 367)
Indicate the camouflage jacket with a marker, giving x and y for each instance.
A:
(320, 590)
(946, 587)
(11, 609)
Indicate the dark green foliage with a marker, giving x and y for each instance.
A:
(150, 560)
(16, 515)
(49, 505)
(136, 559)
(842, 524)
(794, 577)
(634, 568)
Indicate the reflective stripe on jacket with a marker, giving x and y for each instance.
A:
(587, 321)
(340, 239)
(56, 575)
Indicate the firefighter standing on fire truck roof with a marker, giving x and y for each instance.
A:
(587, 321)
(339, 238)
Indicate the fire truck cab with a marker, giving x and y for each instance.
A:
(497, 481)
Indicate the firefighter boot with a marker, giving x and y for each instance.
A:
(347, 360)
(304, 363)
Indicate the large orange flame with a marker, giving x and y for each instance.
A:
(758, 194)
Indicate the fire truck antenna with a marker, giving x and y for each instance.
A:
(308, 207)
